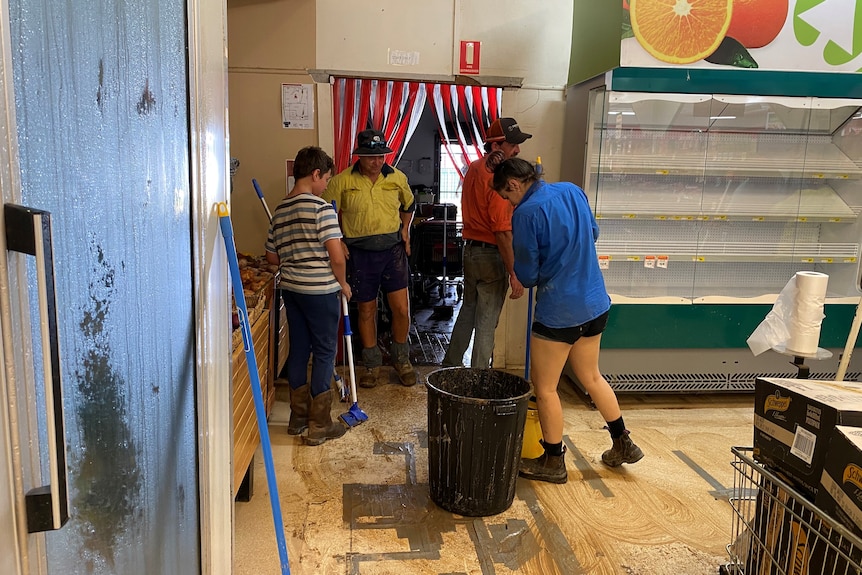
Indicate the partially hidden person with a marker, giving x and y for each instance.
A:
(488, 257)
(304, 240)
(376, 206)
(554, 234)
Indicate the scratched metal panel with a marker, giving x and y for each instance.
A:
(101, 104)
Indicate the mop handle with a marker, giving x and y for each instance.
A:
(262, 200)
(257, 394)
(348, 347)
(529, 327)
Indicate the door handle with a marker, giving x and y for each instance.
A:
(28, 231)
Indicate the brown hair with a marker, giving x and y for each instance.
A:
(513, 168)
(309, 159)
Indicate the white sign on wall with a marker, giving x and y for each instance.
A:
(297, 106)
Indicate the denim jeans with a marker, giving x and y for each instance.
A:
(485, 285)
(312, 326)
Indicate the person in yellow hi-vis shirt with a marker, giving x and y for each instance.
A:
(376, 206)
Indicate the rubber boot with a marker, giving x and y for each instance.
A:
(320, 424)
(400, 353)
(299, 399)
(623, 451)
(546, 467)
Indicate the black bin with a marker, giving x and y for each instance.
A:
(476, 423)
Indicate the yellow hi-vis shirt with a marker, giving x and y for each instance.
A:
(370, 208)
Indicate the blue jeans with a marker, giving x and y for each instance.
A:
(312, 326)
(485, 285)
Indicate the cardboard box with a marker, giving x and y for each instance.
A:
(790, 539)
(793, 420)
(840, 493)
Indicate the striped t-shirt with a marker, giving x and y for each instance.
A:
(301, 225)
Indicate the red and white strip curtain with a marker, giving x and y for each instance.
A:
(475, 106)
(393, 107)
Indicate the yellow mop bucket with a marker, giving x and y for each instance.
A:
(531, 448)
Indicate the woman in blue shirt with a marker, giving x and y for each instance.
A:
(554, 234)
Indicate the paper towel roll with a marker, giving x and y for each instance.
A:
(807, 313)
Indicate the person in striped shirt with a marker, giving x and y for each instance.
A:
(304, 240)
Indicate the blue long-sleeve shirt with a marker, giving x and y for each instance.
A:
(553, 235)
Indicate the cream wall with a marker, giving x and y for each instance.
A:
(271, 42)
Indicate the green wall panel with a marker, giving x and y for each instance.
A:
(754, 82)
(596, 28)
(655, 326)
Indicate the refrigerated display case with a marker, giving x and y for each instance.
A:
(707, 205)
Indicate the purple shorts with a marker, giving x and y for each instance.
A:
(371, 271)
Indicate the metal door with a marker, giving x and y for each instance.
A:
(95, 153)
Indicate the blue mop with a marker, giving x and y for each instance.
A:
(353, 416)
(257, 394)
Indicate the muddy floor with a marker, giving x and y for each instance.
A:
(360, 504)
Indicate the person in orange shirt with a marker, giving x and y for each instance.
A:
(488, 257)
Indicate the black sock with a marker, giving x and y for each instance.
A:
(617, 428)
(553, 448)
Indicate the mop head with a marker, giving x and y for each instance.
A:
(354, 416)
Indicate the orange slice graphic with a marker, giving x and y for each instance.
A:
(680, 31)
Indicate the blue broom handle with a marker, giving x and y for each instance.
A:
(257, 394)
(262, 199)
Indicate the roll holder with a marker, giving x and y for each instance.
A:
(802, 370)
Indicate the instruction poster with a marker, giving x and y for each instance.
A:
(297, 106)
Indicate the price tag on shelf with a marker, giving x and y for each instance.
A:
(849, 260)
(703, 218)
(630, 216)
(649, 261)
(817, 175)
(834, 220)
(719, 217)
(698, 259)
(843, 176)
(662, 172)
(633, 258)
(604, 262)
(758, 219)
(802, 219)
(826, 261)
(661, 262)
(807, 260)
(660, 217)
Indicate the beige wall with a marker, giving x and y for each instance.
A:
(269, 43)
(276, 41)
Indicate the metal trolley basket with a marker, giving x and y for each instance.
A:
(777, 531)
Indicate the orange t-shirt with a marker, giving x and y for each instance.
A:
(483, 211)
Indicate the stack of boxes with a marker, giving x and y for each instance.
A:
(809, 434)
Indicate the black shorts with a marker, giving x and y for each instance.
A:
(570, 335)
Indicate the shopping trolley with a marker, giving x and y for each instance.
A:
(777, 531)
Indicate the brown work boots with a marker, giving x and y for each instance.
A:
(320, 425)
(623, 451)
(546, 467)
